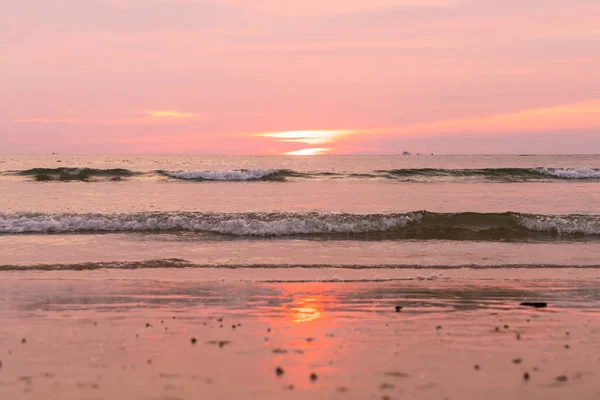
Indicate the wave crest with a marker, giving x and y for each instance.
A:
(413, 225)
(229, 175)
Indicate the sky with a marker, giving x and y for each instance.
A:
(299, 76)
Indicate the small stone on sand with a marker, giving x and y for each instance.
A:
(313, 377)
(517, 361)
(526, 376)
(505, 326)
(279, 371)
(193, 340)
(518, 336)
(23, 340)
(398, 308)
(341, 389)
(535, 304)
(437, 328)
(386, 386)
(567, 346)
(562, 378)
(477, 367)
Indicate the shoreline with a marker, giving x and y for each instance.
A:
(106, 334)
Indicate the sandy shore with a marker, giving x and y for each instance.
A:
(106, 335)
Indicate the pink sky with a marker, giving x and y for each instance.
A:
(276, 76)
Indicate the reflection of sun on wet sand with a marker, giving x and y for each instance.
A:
(138, 339)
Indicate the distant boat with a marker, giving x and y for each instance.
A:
(406, 153)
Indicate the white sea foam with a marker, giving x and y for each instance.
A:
(229, 175)
(253, 224)
(571, 173)
(572, 224)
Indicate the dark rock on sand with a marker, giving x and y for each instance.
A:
(313, 377)
(279, 371)
(562, 378)
(341, 389)
(23, 340)
(386, 386)
(517, 361)
(536, 304)
(567, 346)
(193, 340)
(220, 343)
(477, 367)
(526, 376)
(398, 308)
(396, 374)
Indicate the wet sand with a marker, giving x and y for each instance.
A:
(118, 335)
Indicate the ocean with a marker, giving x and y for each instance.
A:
(326, 277)
(330, 214)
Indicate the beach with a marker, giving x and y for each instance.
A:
(148, 334)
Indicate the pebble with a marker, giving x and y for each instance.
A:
(562, 378)
(477, 367)
(23, 340)
(398, 308)
(518, 336)
(567, 346)
(279, 371)
(437, 328)
(535, 304)
(313, 377)
(526, 376)
(517, 361)
(194, 340)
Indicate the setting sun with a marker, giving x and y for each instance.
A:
(308, 152)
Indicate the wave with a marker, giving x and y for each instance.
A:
(181, 263)
(407, 174)
(420, 225)
(76, 174)
(230, 175)
(496, 174)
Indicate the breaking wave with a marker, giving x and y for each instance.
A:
(76, 174)
(414, 225)
(408, 175)
(230, 175)
(496, 174)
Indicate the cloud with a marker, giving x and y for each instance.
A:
(578, 116)
(170, 114)
(308, 137)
